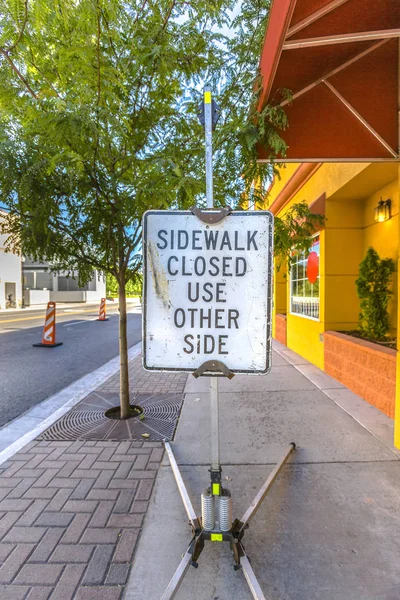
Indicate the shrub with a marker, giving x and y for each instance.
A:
(373, 289)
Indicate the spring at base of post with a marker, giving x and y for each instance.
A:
(208, 510)
(225, 511)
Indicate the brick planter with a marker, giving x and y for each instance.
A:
(281, 329)
(368, 369)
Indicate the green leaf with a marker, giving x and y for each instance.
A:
(373, 290)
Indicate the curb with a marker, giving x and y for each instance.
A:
(26, 428)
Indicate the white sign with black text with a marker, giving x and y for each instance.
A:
(207, 291)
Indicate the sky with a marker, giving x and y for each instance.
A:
(225, 30)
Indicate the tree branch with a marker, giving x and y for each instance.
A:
(133, 244)
(18, 73)
(46, 80)
(96, 148)
(167, 16)
(139, 12)
(22, 30)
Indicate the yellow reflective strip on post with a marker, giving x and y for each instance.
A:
(207, 97)
(217, 537)
(215, 489)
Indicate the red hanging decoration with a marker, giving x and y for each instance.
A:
(313, 267)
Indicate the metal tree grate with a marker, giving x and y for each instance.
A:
(87, 420)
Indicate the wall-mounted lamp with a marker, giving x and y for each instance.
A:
(382, 211)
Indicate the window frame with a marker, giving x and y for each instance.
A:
(296, 314)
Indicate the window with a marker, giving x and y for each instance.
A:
(304, 282)
(70, 284)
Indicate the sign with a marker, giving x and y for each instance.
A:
(207, 291)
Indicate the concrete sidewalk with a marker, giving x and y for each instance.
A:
(329, 529)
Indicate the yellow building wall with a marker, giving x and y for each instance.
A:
(329, 178)
(349, 230)
(343, 253)
(304, 335)
(384, 237)
(397, 410)
(280, 297)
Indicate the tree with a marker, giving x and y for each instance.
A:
(373, 290)
(132, 288)
(294, 231)
(98, 123)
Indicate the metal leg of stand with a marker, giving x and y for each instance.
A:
(248, 572)
(177, 579)
(255, 505)
(187, 503)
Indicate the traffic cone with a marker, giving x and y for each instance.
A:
(49, 329)
(102, 311)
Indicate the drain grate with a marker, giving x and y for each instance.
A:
(87, 420)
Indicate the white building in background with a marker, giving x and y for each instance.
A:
(29, 283)
(41, 285)
(10, 277)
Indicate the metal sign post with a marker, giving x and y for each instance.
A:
(214, 395)
(208, 310)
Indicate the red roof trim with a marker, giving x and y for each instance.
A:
(278, 24)
(358, 119)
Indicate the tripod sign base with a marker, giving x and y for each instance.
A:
(234, 536)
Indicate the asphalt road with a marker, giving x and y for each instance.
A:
(29, 375)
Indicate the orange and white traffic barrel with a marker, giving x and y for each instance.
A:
(102, 311)
(49, 329)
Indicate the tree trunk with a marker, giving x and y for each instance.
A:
(123, 352)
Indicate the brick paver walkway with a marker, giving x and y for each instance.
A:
(142, 381)
(70, 515)
(71, 511)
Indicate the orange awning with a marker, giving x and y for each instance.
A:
(341, 61)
